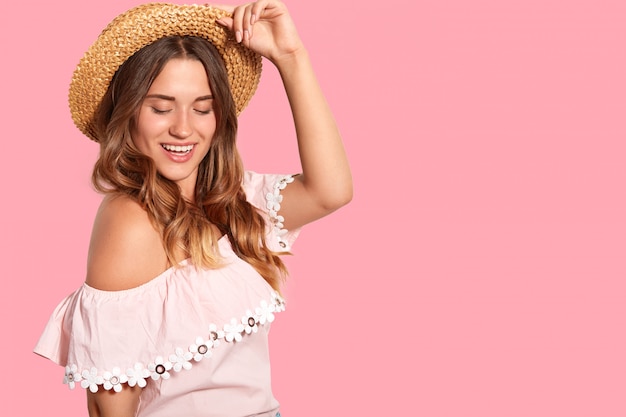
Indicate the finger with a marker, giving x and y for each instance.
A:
(257, 9)
(247, 23)
(226, 22)
(238, 14)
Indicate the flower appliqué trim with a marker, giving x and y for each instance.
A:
(181, 359)
(273, 200)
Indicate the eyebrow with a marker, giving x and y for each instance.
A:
(170, 98)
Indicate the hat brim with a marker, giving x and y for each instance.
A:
(141, 26)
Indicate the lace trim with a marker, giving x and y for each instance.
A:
(274, 198)
(180, 359)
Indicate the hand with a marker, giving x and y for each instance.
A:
(265, 27)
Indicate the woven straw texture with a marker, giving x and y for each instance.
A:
(141, 26)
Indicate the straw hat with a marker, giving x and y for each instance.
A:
(143, 25)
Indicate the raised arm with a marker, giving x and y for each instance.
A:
(326, 182)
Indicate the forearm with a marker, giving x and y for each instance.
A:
(325, 168)
(326, 183)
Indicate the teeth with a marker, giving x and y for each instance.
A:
(177, 148)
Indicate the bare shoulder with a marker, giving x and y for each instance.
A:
(125, 249)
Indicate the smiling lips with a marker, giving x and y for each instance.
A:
(179, 153)
(177, 148)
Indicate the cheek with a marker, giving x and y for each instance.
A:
(146, 130)
(138, 143)
(208, 124)
(141, 139)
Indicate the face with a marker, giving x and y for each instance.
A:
(176, 123)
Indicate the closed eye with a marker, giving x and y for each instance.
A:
(159, 111)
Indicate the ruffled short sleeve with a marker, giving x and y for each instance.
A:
(108, 338)
(264, 192)
(100, 338)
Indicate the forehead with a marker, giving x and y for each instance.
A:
(181, 76)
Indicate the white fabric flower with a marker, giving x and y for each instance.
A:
(265, 312)
(181, 359)
(72, 376)
(91, 379)
(215, 335)
(249, 323)
(282, 183)
(201, 348)
(273, 200)
(233, 331)
(160, 368)
(280, 233)
(279, 303)
(137, 375)
(282, 242)
(278, 222)
(114, 379)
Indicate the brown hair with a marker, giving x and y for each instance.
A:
(219, 196)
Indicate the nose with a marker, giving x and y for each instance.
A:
(181, 127)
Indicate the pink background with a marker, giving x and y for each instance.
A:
(480, 269)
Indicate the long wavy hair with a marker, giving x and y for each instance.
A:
(219, 197)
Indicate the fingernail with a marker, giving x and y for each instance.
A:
(238, 36)
(246, 35)
(252, 19)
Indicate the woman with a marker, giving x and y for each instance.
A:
(184, 262)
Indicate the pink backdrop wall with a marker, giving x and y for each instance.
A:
(479, 270)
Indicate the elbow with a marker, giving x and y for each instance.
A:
(338, 198)
(346, 197)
